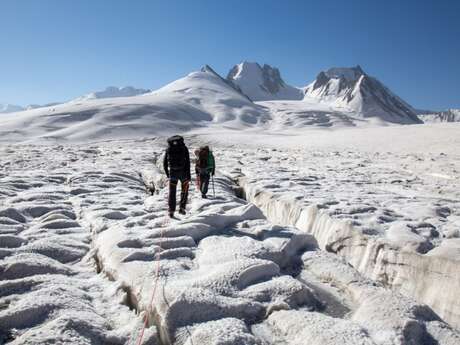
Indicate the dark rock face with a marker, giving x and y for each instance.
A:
(272, 79)
(321, 80)
(375, 94)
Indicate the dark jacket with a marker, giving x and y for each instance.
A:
(176, 162)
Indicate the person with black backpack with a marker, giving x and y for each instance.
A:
(205, 167)
(176, 164)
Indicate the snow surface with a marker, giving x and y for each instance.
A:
(200, 99)
(205, 100)
(325, 228)
(81, 235)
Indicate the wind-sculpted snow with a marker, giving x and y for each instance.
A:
(82, 235)
(49, 291)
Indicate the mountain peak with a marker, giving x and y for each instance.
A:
(208, 69)
(352, 88)
(262, 83)
(347, 73)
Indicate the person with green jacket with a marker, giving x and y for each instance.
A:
(205, 167)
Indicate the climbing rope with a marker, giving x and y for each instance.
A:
(156, 277)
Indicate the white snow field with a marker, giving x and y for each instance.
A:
(338, 242)
(251, 98)
(331, 222)
(201, 99)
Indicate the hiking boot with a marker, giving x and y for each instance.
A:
(171, 214)
(182, 211)
(204, 196)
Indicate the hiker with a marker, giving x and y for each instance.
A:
(205, 167)
(176, 164)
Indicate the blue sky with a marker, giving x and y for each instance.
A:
(54, 50)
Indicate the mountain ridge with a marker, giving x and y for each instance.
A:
(262, 83)
(361, 93)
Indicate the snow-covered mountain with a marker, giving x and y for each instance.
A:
(450, 115)
(262, 83)
(114, 91)
(251, 97)
(201, 99)
(10, 108)
(209, 69)
(352, 88)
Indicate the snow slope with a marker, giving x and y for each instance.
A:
(364, 95)
(262, 83)
(201, 99)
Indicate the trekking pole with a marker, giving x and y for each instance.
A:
(213, 190)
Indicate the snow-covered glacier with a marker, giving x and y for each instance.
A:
(89, 255)
(323, 225)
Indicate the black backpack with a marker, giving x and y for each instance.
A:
(176, 153)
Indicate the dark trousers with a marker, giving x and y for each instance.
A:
(173, 181)
(204, 182)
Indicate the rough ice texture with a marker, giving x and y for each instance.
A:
(49, 290)
(406, 245)
(227, 275)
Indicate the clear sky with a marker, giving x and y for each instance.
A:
(55, 50)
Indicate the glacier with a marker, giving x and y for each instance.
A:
(327, 226)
